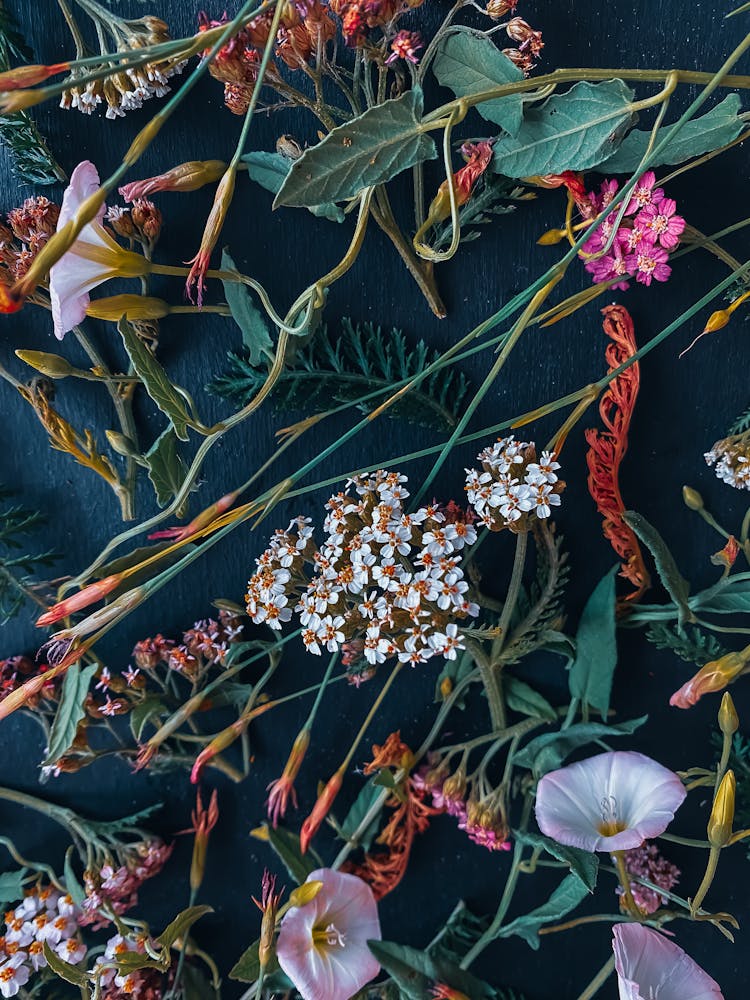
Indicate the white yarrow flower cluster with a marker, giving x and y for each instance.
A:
(513, 484)
(384, 584)
(44, 916)
(731, 461)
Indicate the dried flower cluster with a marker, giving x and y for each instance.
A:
(384, 583)
(112, 891)
(29, 227)
(647, 863)
(515, 487)
(730, 459)
(480, 811)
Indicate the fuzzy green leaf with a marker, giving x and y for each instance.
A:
(590, 677)
(731, 595)
(369, 150)
(571, 131)
(675, 584)
(166, 469)
(583, 864)
(546, 753)
(270, 170)
(256, 337)
(416, 972)
(181, 924)
(155, 380)
(565, 898)
(521, 697)
(468, 62)
(11, 886)
(719, 126)
(70, 710)
(70, 973)
(692, 645)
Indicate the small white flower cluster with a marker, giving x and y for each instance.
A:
(44, 915)
(124, 92)
(513, 484)
(384, 583)
(134, 984)
(731, 461)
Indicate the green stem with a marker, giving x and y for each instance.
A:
(599, 979)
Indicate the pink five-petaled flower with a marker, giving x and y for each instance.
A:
(94, 257)
(649, 263)
(651, 967)
(644, 193)
(611, 802)
(660, 220)
(322, 946)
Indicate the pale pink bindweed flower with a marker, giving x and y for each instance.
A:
(651, 967)
(611, 802)
(322, 945)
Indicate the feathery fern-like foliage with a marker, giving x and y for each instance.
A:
(741, 424)
(495, 197)
(692, 645)
(343, 366)
(17, 565)
(33, 161)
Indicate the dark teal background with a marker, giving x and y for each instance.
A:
(684, 406)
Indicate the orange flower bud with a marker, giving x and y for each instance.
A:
(211, 233)
(281, 791)
(89, 595)
(185, 177)
(551, 237)
(29, 76)
(714, 676)
(320, 810)
(727, 556)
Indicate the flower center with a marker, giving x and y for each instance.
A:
(330, 936)
(611, 823)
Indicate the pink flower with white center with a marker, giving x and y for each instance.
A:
(104, 679)
(661, 221)
(322, 946)
(72, 951)
(644, 193)
(447, 643)
(110, 707)
(651, 967)
(13, 975)
(607, 192)
(611, 265)
(649, 264)
(130, 675)
(95, 257)
(611, 802)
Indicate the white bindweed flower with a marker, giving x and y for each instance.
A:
(651, 967)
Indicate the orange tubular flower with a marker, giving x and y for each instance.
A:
(29, 76)
(214, 225)
(714, 676)
(185, 177)
(607, 448)
(204, 820)
(89, 595)
(478, 156)
(320, 810)
(281, 791)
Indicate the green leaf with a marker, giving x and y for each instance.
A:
(718, 127)
(565, 898)
(166, 469)
(675, 584)
(142, 712)
(196, 984)
(590, 677)
(521, 697)
(181, 925)
(270, 170)
(546, 753)
(459, 934)
(583, 864)
(70, 973)
(247, 967)
(364, 152)
(255, 334)
(155, 379)
(286, 847)
(731, 595)
(11, 886)
(415, 972)
(74, 887)
(70, 710)
(367, 797)
(571, 131)
(468, 62)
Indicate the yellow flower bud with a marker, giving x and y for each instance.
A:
(692, 498)
(51, 365)
(722, 814)
(120, 443)
(551, 238)
(305, 893)
(716, 321)
(133, 307)
(729, 721)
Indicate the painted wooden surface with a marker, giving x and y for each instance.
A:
(684, 406)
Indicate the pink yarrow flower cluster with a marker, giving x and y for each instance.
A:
(647, 863)
(649, 230)
(113, 890)
(480, 819)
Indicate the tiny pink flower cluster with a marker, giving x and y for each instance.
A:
(384, 583)
(647, 863)
(115, 890)
(641, 244)
(44, 915)
(482, 823)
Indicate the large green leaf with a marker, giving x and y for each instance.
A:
(70, 710)
(255, 334)
(547, 752)
(572, 131)
(166, 469)
(590, 678)
(415, 972)
(270, 170)
(565, 898)
(521, 697)
(366, 151)
(719, 126)
(468, 62)
(155, 379)
(583, 864)
(674, 582)
(286, 847)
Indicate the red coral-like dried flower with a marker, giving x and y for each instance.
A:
(607, 448)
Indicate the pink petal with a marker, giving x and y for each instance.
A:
(651, 967)
(574, 804)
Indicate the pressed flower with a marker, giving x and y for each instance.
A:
(322, 946)
(649, 264)
(647, 863)
(713, 676)
(651, 967)
(611, 802)
(95, 257)
(185, 177)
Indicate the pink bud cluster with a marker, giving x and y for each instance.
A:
(649, 230)
(111, 890)
(383, 584)
(645, 862)
(481, 818)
